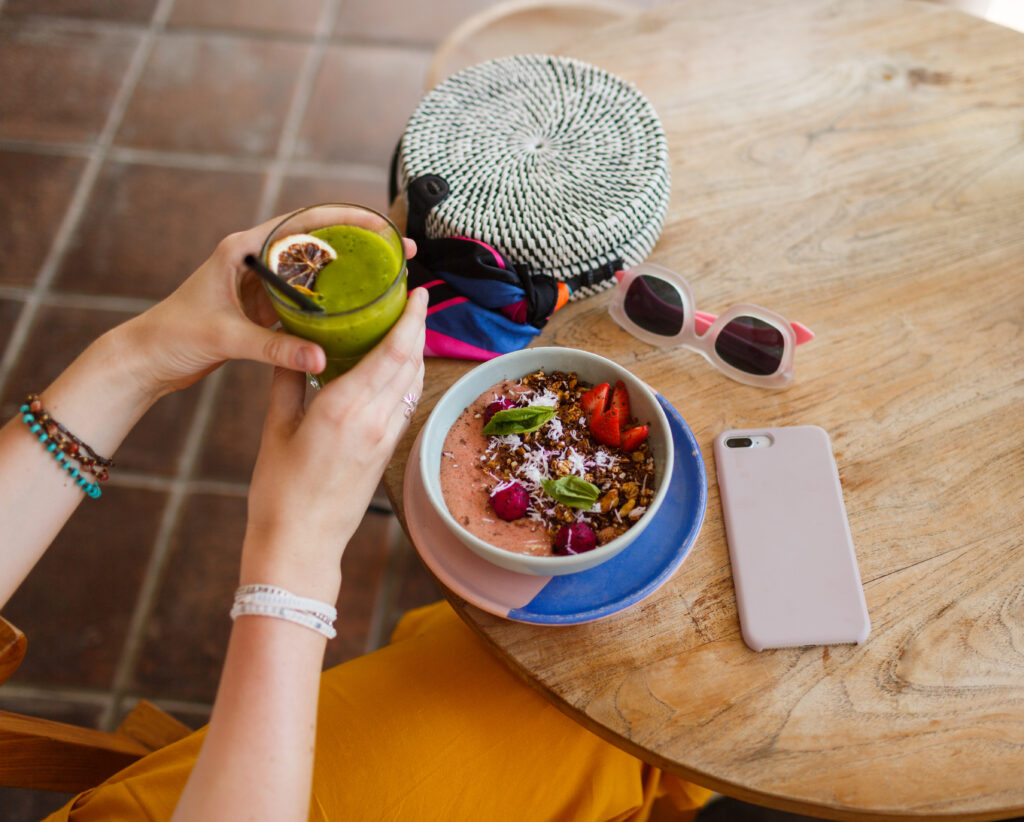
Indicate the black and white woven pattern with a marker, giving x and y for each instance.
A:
(554, 162)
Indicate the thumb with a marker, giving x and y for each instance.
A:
(253, 342)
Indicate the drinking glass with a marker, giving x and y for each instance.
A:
(363, 290)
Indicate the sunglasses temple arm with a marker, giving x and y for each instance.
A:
(702, 322)
(803, 333)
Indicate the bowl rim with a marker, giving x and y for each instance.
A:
(589, 559)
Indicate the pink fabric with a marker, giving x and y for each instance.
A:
(441, 345)
(446, 304)
(515, 312)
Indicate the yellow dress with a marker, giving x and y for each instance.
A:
(432, 727)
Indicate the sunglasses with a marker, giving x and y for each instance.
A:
(748, 343)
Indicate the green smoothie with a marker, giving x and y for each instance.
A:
(363, 293)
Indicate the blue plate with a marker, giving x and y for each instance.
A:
(631, 576)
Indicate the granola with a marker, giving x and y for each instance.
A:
(564, 446)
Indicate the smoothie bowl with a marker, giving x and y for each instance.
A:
(547, 461)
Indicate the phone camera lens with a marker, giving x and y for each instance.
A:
(739, 442)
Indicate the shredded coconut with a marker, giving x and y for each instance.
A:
(547, 398)
(605, 459)
(511, 440)
(577, 462)
(554, 428)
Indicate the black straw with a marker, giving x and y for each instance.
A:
(283, 286)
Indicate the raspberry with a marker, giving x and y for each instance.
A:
(501, 404)
(575, 539)
(510, 500)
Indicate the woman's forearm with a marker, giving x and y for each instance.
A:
(98, 398)
(257, 758)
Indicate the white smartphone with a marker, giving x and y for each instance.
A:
(792, 556)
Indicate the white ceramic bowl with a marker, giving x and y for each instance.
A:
(591, 369)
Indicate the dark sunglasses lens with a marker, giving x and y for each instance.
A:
(654, 305)
(751, 345)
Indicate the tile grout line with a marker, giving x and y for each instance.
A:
(384, 602)
(386, 589)
(297, 110)
(150, 482)
(86, 696)
(68, 23)
(146, 600)
(68, 149)
(83, 696)
(83, 191)
(115, 117)
(200, 161)
(101, 302)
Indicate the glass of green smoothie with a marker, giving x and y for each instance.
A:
(349, 260)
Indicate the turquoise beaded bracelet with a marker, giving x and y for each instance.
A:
(92, 489)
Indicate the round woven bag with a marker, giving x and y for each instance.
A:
(556, 163)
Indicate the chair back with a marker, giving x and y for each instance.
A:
(12, 649)
(520, 27)
(54, 756)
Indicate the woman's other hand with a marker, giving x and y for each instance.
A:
(221, 312)
(318, 468)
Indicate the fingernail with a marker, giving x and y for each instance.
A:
(421, 295)
(307, 359)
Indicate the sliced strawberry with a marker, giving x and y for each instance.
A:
(595, 400)
(632, 438)
(620, 400)
(606, 427)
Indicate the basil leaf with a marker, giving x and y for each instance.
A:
(519, 420)
(573, 491)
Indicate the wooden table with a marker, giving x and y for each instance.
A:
(858, 166)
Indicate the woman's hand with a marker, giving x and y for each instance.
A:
(317, 468)
(221, 312)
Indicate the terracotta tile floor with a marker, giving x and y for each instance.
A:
(133, 135)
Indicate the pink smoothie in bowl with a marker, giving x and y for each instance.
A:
(524, 468)
(479, 469)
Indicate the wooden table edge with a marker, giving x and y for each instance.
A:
(707, 780)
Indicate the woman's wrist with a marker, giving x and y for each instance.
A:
(302, 565)
(143, 352)
(98, 397)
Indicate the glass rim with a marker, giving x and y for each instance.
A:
(279, 300)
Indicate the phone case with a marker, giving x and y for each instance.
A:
(793, 561)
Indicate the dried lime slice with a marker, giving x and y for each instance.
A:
(298, 258)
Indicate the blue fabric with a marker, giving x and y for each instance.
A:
(486, 292)
(481, 327)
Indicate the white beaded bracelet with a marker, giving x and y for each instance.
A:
(271, 595)
(266, 600)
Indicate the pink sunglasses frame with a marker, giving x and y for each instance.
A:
(700, 330)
